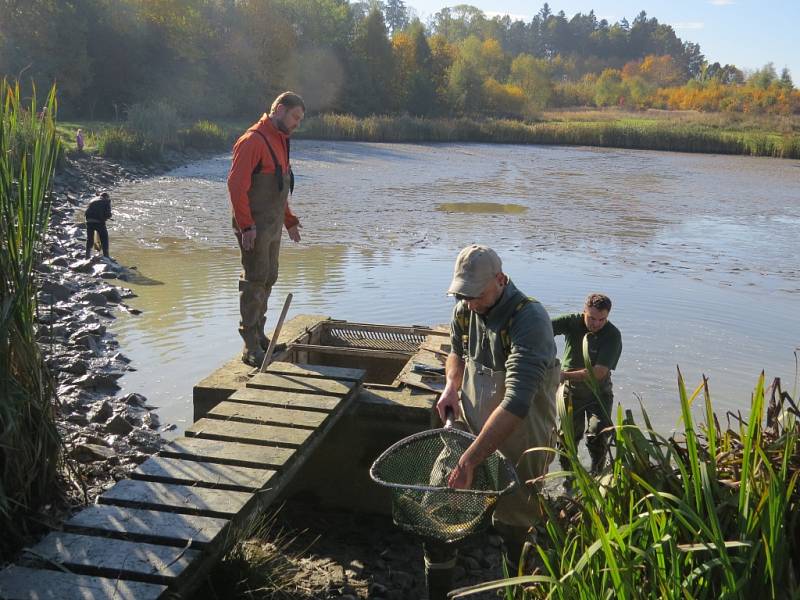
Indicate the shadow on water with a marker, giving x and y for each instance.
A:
(135, 277)
(349, 152)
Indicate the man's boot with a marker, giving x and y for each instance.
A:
(252, 353)
(263, 340)
(598, 451)
(439, 580)
(440, 562)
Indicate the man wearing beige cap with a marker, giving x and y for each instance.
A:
(501, 378)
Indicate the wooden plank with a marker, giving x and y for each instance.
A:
(148, 525)
(248, 433)
(285, 399)
(23, 583)
(322, 371)
(227, 453)
(266, 497)
(106, 557)
(302, 385)
(175, 498)
(267, 415)
(189, 472)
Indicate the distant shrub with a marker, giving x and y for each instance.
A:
(204, 135)
(155, 122)
(122, 144)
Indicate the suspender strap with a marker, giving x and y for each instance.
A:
(278, 169)
(464, 319)
(504, 332)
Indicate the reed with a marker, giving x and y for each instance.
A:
(29, 441)
(617, 130)
(122, 144)
(711, 513)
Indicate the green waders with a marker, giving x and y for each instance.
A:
(260, 265)
(482, 391)
(591, 416)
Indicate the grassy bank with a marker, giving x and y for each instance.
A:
(684, 131)
(121, 141)
(29, 441)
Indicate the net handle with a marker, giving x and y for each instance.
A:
(449, 416)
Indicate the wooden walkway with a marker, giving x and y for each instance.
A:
(162, 530)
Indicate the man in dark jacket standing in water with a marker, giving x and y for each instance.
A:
(591, 409)
(97, 213)
(259, 183)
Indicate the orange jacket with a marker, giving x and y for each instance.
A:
(248, 151)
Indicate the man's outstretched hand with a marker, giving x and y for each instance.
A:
(249, 239)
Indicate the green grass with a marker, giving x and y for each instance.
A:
(678, 131)
(711, 512)
(118, 141)
(258, 563)
(29, 442)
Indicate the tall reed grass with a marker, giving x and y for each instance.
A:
(644, 134)
(125, 143)
(29, 441)
(712, 513)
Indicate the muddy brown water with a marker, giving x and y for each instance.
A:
(698, 253)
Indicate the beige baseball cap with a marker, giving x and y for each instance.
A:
(476, 265)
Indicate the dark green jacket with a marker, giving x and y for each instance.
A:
(525, 350)
(605, 346)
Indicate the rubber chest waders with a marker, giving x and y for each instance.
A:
(268, 196)
(482, 391)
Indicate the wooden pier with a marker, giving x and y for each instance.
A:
(160, 531)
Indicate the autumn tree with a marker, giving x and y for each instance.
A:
(609, 89)
(532, 76)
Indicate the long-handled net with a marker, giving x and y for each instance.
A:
(416, 469)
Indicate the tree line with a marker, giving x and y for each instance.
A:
(226, 58)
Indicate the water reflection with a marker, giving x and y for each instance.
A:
(482, 208)
(697, 252)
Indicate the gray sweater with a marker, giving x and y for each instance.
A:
(531, 348)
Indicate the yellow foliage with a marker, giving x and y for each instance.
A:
(500, 99)
(715, 96)
(660, 70)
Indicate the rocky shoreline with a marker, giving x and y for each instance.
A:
(105, 435)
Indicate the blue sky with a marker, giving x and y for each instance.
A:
(746, 33)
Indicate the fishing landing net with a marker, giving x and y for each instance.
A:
(416, 469)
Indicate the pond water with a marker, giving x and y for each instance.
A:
(698, 253)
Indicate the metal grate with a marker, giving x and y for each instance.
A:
(374, 339)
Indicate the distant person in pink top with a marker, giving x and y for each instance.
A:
(79, 140)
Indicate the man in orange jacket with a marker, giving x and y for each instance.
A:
(259, 183)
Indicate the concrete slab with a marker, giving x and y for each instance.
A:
(234, 374)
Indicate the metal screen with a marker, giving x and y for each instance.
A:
(373, 338)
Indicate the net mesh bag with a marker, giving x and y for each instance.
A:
(416, 469)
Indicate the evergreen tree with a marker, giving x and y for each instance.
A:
(396, 15)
